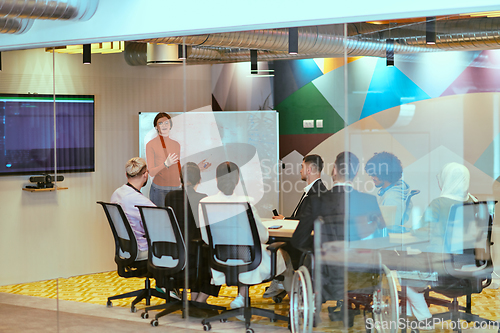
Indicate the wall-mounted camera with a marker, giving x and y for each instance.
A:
(44, 181)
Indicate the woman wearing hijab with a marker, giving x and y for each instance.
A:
(453, 180)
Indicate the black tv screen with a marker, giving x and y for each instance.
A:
(27, 133)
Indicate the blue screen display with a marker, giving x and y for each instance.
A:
(27, 140)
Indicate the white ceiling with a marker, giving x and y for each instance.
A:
(133, 19)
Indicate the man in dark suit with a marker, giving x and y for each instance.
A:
(310, 172)
(363, 218)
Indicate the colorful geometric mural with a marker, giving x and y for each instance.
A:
(389, 87)
(429, 110)
(410, 101)
(372, 88)
(483, 75)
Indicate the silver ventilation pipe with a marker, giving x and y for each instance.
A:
(17, 15)
(364, 39)
(49, 9)
(451, 34)
(312, 40)
(13, 26)
(136, 54)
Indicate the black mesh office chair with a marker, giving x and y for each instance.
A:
(235, 248)
(167, 259)
(464, 266)
(126, 251)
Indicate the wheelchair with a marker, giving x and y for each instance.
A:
(370, 287)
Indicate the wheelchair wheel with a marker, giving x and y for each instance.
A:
(385, 303)
(301, 302)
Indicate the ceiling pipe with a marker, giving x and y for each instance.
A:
(14, 26)
(49, 9)
(16, 16)
(136, 54)
(364, 39)
(461, 34)
(312, 40)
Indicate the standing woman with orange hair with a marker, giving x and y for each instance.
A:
(162, 155)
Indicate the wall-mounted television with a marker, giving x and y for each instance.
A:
(27, 133)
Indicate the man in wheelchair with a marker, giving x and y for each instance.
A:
(361, 220)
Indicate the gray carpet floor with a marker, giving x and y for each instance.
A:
(34, 314)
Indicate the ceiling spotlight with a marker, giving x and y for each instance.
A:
(86, 54)
(293, 40)
(182, 51)
(253, 62)
(389, 52)
(430, 31)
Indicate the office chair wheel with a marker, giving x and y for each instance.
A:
(301, 302)
(272, 320)
(249, 330)
(154, 322)
(109, 304)
(223, 320)
(385, 301)
(133, 309)
(277, 299)
(144, 315)
(207, 327)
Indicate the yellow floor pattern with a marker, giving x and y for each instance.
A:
(95, 289)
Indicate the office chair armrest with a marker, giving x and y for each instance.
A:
(486, 283)
(274, 247)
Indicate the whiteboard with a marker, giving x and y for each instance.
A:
(247, 138)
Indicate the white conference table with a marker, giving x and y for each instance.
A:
(286, 230)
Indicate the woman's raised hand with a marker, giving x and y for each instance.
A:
(171, 160)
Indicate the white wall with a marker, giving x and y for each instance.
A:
(46, 235)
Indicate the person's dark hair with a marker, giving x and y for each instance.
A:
(316, 160)
(385, 166)
(162, 115)
(347, 165)
(191, 174)
(228, 175)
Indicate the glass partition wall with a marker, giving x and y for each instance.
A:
(419, 114)
(414, 101)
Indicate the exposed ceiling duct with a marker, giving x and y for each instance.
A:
(13, 26)
(465, 34)
(162, 54)
(363, 39)
(136, 54)
(318, 40)
(16, 15)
